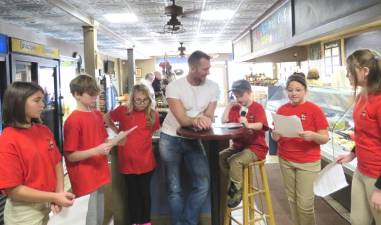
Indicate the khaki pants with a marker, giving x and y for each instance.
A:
(298, 179)
(232, 162)
(361, 211)
(25, 213)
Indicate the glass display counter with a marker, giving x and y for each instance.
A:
(337, 105)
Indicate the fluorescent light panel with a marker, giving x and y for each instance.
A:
(121, 17)
(224, 14)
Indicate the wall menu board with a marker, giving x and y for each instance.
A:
(274, 29)
(242, 46)
(310, 14)
(370, 40)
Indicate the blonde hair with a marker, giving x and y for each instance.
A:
(150, 113)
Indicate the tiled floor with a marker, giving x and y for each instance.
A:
(75, 214)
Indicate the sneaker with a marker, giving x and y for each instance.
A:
(234, 196)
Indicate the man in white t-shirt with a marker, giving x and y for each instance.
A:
(192, 101)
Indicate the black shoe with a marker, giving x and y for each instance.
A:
(234, 196)
(235, 199)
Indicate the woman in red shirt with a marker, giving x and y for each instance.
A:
(299, 158)
(31, 171)
(135, 157)
(364, 70)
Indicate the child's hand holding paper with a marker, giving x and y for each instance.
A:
(119, 139)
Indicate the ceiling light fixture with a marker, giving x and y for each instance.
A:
(121, 17)
(224, 14)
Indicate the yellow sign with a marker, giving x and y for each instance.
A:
(27, 47)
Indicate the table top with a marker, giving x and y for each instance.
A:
(215, 133)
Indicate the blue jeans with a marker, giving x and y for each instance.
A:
(173, 150)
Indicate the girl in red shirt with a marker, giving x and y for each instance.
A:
(135, 158)
(31, 171)
(299, 158)
(364, 70)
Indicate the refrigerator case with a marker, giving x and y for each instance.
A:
(337, 104)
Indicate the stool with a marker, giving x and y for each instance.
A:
(249, 192)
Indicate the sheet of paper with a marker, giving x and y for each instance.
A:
(121, 135)
(330, 179)
(287, 126)
(228, 125)
(76, 214)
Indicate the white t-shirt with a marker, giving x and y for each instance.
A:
(194, 98)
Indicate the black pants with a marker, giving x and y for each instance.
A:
(139, 197)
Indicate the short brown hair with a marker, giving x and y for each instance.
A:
(84, 84)
(196, 56)
(14, 103)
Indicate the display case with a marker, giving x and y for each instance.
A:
(337, 104)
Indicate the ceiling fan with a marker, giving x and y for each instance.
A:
(174, 26)
(181, 49)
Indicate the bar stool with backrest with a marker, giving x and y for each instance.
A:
(253, 194)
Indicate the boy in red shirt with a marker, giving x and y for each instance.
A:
(85, 148)
(249, 148)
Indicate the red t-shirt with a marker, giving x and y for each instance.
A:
(28, 157)
(367, 118)
(136, 155)
(297, 149)
(254, 139)
(82, 131)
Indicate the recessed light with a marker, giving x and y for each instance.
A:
(223, 14)
(121, 17)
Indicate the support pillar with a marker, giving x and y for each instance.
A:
(90, 49)
(129, 81)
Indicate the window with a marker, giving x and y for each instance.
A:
(332, 57)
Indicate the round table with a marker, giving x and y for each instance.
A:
(213, 137)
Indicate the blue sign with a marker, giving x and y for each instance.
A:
(3, 44)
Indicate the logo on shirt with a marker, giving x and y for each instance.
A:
(303, 116)
(363, 113)
(51, 144)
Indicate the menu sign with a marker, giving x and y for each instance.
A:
(274, 29)
(242, 46)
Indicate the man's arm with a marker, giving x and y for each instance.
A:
(178, 110)
(203, 121)
(209, 112)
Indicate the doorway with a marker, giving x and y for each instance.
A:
(45, 72)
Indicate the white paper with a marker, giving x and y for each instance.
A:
(330, 179)
(228, 125)
(121, 135)
(287, 126)
(76, 214)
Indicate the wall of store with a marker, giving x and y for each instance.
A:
(146, 66)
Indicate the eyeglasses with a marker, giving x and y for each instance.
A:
(141, 101)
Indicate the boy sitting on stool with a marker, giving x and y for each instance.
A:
(251, 147)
